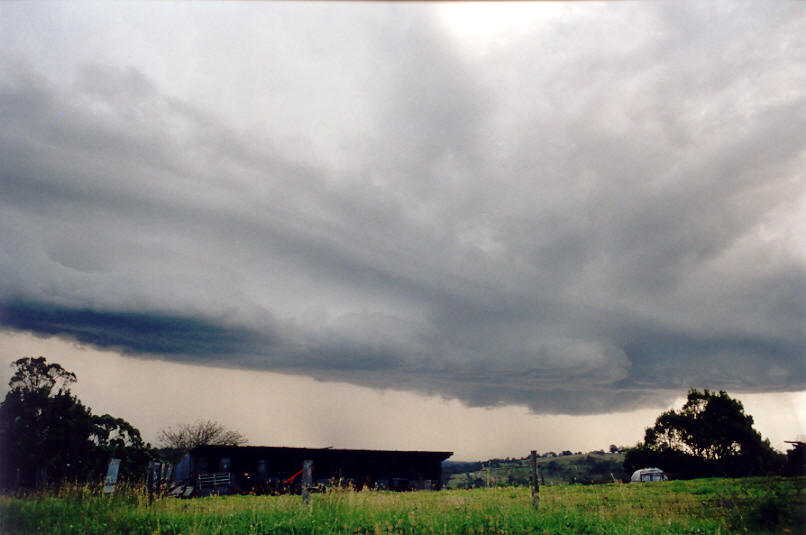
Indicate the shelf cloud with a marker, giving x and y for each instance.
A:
(590, 214)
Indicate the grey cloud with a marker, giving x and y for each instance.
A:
(566, 224)
(132, 333)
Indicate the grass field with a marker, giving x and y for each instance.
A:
(705, 506)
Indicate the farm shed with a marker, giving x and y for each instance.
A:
(648, 474)
(226, 469)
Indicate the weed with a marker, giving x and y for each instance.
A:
(676, 507)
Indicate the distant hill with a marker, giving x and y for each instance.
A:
(592, 467)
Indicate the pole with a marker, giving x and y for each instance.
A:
(307, 478)
(150, 481)
(535, 486)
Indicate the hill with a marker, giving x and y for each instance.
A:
(592, 467)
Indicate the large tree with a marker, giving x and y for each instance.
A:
(710, 436)
(33, 375)
(796, 459)
(47, 435)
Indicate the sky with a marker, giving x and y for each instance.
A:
(459, 226)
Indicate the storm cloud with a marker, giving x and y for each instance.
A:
(589, 212)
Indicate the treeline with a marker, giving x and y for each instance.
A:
(711, 436)
(48, 436)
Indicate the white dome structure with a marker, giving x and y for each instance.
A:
(648, 474)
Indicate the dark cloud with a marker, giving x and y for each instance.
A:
(593, 215)
(132, 333)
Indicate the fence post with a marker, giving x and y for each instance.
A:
(307, 478)
(535, 486)
(150, 481)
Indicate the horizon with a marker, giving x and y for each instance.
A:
(134, 389)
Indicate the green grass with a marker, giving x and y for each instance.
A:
(707, 506)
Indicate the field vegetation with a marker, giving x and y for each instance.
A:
(702, 506)
(596, 466)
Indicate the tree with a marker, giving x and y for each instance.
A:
(710, 436)
(117, 438)
(33, 375)
(795, 459)
(48, 435)
(182, 438)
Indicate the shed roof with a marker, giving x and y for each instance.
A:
(203, 450)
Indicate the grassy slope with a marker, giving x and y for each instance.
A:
(706, 506)
(553, 470)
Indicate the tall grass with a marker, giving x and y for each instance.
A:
(708, 506)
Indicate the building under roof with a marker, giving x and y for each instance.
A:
(227, 469)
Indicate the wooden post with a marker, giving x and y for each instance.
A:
(150, 481)
(307, 478)
(41, 477)
(535, 486)
(157, 480)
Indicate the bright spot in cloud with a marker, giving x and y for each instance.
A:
(480, 25)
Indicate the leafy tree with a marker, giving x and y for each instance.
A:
(182, 438)
(117, 438)
(33, 375)
(710, 436)
(48, 435)
(796, 460)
